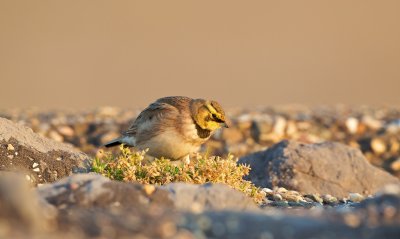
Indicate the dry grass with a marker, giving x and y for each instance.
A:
(130, 166)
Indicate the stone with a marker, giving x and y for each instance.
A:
(21, 211)
(34, 149)
(92, 206)
(315, 197)
(372, 123)
(91, 189)
(267, 191)
(355, 197)
(10, 147)
(279, 126)
(324, 168)
(383, 209)
(277, 197)
(54, 135)
(149, 189)
(378, 146)
(352, 125)
(329, 199)
(65, 130)
(395, 165)
(208, 197)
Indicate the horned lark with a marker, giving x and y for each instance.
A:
(173, 127)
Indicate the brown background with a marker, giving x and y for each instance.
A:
(81, 54)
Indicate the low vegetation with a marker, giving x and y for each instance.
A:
(132, 166)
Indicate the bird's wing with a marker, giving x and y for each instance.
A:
(152, 115)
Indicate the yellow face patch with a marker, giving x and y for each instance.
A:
(213, 111)
(212, 125)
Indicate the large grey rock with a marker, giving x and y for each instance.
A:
(86, 190)
(21, 211)
(326, 168)
(91, 206)
(41, 159)
(216, 197)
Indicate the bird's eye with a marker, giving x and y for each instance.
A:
(214, 116)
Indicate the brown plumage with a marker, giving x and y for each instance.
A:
(173, 127)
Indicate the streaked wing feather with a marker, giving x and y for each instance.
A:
(154, 112)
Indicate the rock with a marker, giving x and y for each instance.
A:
(245, 225)
(65, 130)
(267, 191)
(31, 150)
(87, 190)
(384, 209)
(21, 212)
(372, 123)
(395, 165)
(329, 199)
(378, 146)
(88, 205)
(356, 197)
(352, 125)
(279, 126)
(10, 147)
(315, 197)
(277, 197)
(326, 168)
(93, 189)
(92, 206)
(393, 127)
(191, 197)
(56, 136)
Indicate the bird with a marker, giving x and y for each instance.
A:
(173, 127)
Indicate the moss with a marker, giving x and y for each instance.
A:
(129, 166)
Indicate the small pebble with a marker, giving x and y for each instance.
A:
(149, 189)
(356, 197)
(395, 165)
(268, 191)
(315, 198)
(282, 190)
(329, 199)
(66, 131)
(352, 125)
(378, 146)
(56, 136)
(10, 147)
(277, 197)
(34, 165)
(36, 170)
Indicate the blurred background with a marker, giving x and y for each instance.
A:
(82, 54)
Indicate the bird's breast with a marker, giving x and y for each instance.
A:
(169, 144)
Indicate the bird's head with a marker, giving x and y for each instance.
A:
(208, 115)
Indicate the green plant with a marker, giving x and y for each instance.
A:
(134, 166)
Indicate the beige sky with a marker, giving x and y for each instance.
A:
(243, 53)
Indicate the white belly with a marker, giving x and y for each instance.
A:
(170, 145)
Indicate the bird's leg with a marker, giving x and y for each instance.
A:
(186, 159)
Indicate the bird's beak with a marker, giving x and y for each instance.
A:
(224, 124)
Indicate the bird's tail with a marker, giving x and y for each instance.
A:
(112, 143)
(126, 140)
